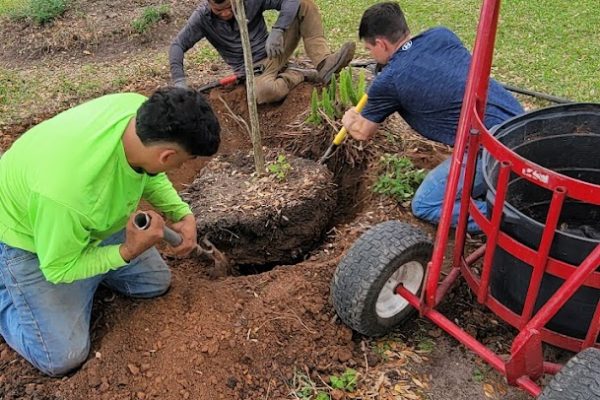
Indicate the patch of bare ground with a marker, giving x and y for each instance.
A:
(88, 29)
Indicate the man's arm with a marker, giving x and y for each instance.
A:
(160, 193)
(63, 243)
(288, 9)
(382, 103)
(186, 39)
(358, 126)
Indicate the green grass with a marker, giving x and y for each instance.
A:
(150, 16)
(545, 45)
(39, 11)
(10, 7)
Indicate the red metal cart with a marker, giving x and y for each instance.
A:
(384, 270)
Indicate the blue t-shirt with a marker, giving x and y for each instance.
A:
(425, 81)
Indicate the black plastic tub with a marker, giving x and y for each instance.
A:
(565, 139)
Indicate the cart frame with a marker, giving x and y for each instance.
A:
(525, 364)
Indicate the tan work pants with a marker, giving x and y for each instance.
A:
(275, 82)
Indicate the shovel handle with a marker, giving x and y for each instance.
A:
(142, 221)
(339, 138)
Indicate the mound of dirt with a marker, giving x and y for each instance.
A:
(261, 220)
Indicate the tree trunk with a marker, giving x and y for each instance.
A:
(259, 157)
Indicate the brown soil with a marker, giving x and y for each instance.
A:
(264, 336)
(262, 220)
(90, 29)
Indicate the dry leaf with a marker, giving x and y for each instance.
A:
(418, 383)
(489, 390)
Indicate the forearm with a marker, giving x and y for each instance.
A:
(176, 62)
(185, 40)
(161, 194)
(359, 127)
(92, 261)
(288, 9)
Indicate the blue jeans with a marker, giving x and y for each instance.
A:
(428, 200)
(49, 324)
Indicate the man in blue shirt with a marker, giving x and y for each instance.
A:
(424, 80)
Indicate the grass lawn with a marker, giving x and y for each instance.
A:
(544, 45)
(8, 7)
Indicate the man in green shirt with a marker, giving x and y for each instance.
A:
(68, 190)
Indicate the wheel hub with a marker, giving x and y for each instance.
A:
(388, 302)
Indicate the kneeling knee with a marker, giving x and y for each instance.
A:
(59, 364)
(267, 94)
(419, 207)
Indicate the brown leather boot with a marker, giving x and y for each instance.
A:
(311, 75)
(335, 62)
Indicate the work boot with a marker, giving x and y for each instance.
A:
(335, 62)
(311, 75)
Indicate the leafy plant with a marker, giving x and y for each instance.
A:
(382, 349)
(400, 178)
(150, 16)
(280, 167)
(347, 381)
(478, 375)
(337, 97)
(426, 346)
(306, 389)
(314, 116)
(40, 11)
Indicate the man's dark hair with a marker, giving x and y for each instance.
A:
(181, 116)
(383, 20)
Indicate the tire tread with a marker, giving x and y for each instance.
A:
(363, 265)
(579, 379)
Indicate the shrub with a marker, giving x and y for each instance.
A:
(149, 17)
(40, 11)
(336, 98)
(400, 178)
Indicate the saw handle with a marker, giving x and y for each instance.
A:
(339, 138)
(142, 221)
(228, 80)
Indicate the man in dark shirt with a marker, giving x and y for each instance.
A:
(214, 20)
(424, 81)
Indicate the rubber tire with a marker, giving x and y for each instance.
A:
(365, 269)
(579, 379)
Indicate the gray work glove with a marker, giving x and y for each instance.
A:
(274, 45)
(180, 83)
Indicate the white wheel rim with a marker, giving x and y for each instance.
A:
(388, 302)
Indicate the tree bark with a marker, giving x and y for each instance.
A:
(259, 156)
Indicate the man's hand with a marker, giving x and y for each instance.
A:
(187, 229)
(359, 127)
(274, 45)
(137, 241)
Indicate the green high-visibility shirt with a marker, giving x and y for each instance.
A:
(65, 185)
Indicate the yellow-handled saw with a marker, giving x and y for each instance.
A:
(341, 135)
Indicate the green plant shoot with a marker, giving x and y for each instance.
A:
(346, 382)
(280, 167)
(150, 16)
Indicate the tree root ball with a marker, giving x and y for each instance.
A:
(267, 219)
